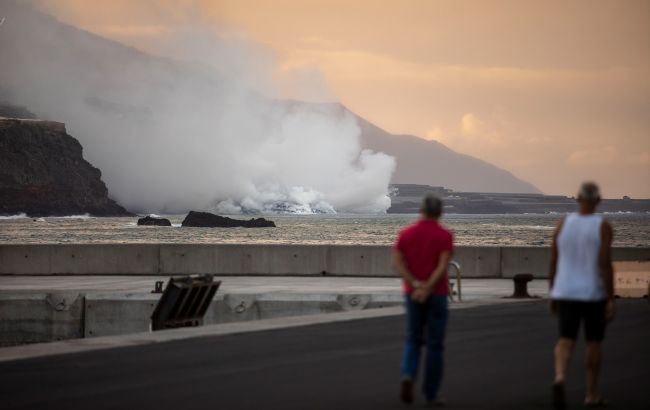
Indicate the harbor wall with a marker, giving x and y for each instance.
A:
(278, 260)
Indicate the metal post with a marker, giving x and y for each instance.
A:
(456, 266)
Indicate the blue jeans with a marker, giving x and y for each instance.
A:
(430, 319)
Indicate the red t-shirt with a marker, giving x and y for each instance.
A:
(421, 245)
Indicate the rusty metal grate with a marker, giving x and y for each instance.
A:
(184, 302)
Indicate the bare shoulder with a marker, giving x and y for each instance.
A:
(607, 228)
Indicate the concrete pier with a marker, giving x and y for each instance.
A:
(49, 308)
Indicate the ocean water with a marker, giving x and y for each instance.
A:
(514, 230)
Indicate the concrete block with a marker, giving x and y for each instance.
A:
(115, 314)
(535, 260)
(359, 261)
(40, 317)
(353, 302)
(243, 259)
(283, 260)
(479, 261)
(231, 308)
(385, 300)
(24, 259)
(104, 259)
(188, 259)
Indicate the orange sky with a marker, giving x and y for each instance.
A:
(555, 92)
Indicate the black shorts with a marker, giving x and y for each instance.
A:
(571, 313)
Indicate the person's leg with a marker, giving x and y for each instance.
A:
(593, 359)
(563, 351)
(414, 338)
(594, 333)
(569, 324)
(436, 328)
(415, 318)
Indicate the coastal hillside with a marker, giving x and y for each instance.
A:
(43, 172)
(432, 163)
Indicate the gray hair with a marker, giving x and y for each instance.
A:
(589, 192)
(432, 206)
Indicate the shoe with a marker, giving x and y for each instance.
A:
(559, 399)
(436, 403)
(406, 391)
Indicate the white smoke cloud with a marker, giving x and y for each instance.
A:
(171, 136)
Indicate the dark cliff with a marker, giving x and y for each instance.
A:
(43, 173)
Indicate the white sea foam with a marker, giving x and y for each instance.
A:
(535, 227)
(19, 216)
(84, 216)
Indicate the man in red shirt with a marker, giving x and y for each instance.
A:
(421, 255)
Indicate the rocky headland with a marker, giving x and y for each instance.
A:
(43, 172)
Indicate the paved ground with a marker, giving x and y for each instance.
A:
(472, 288)
(497, 356)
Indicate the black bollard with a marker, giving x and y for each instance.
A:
(521, 285)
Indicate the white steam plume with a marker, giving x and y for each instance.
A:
(172, 136)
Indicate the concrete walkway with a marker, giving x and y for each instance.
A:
(472, 289)
(497, 356)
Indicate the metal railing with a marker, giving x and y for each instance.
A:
(456, 266)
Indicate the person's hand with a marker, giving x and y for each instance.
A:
(610, 310)
(552, 306)
(420, 294)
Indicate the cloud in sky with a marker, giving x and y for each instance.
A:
(540, 88)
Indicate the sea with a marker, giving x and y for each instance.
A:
(631, 229)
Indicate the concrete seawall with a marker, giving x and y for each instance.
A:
(275, 260)
(46, 317)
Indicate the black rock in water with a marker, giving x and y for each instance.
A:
(151, 221)
(43, 172)
(208, 220)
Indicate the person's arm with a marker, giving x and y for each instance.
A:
(443, 262)
(606, 266)
(399, 265)
(553, 267)
(422, 293)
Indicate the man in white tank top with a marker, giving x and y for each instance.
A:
(582, 290)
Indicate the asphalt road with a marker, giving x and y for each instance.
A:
(497, 357)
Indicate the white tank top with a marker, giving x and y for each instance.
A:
(578, 274)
